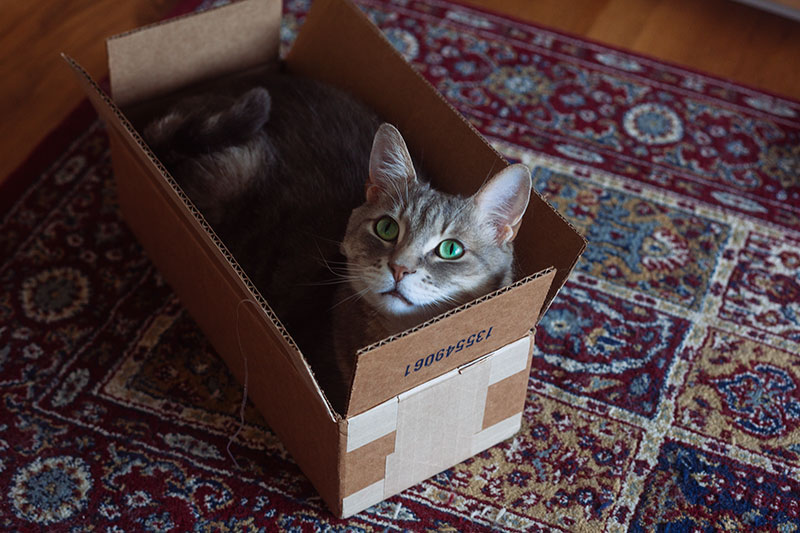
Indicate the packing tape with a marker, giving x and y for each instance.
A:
(436, 425)
(372, 425)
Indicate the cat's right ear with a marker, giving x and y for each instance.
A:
(391, 170)
(503, 199)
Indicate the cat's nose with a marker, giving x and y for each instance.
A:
(399, 271)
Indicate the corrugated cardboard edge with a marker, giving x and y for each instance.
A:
(298, 361)
(451, 312)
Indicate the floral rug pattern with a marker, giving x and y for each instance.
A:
(665, 388)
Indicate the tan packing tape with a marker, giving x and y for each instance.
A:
(449, 412)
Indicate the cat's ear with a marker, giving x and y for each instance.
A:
(391, 170)
(503, 199)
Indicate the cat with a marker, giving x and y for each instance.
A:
(325, 210)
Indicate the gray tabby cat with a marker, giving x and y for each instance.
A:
(325, 210)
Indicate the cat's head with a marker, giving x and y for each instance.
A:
(413, 252)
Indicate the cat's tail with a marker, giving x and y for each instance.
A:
(207, 124)
(210, 145)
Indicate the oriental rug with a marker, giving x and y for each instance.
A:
(665, 389)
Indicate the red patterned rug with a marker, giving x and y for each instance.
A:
(665, 393)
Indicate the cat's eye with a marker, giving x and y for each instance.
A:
(450, 249)
(386, 228)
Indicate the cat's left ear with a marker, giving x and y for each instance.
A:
(391, 170)
(503, 199)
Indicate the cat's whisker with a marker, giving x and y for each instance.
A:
(329, 268)
(327, 263)
(342, 268)
(488, 175)
(326, 239)
(398, 200)
(441, 301)
(355, 296)
(328, 282)
(346, 263)
(322, 257)
(452, 300)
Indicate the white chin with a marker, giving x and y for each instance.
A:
(396, 305)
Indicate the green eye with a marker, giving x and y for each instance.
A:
(386, 228)
(450, 249)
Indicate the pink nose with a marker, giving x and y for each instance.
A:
(400, 271)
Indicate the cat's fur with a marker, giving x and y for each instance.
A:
(293, 175)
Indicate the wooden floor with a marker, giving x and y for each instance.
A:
(717, 36)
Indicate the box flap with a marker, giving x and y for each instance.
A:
(398, 364)
(163, 57)
(331, 47)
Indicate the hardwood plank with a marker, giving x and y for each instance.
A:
(37, 89)
(786, 8)
(721, 37)
(728, 39)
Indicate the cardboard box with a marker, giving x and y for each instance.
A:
(422, 400)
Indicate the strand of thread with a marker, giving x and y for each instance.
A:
(244, 389)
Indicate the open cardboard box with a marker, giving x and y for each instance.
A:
(422, 400)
